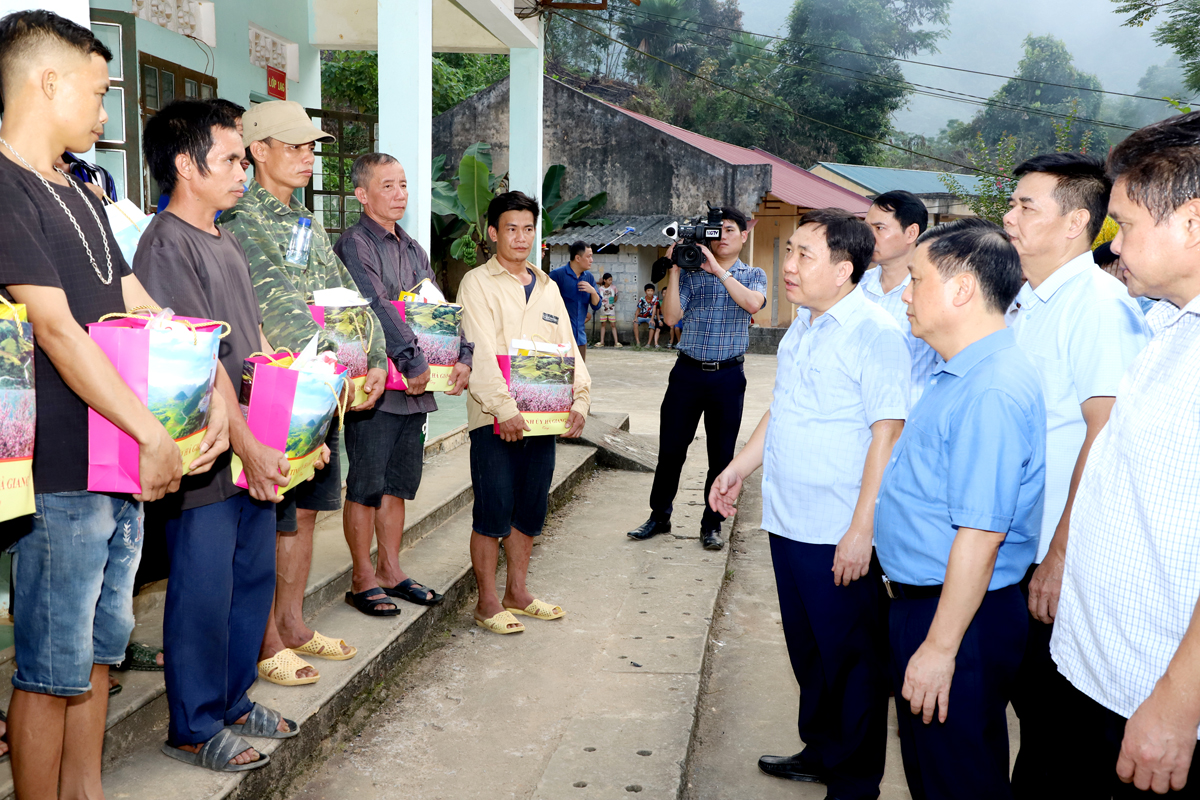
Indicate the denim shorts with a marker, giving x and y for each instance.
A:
(322, 493)
(385, 452)
(511, 482)
(73, 577)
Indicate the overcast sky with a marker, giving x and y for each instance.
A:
(987, 36)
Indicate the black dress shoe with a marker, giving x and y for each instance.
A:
(650, 527)
(793, 768)
(712, 539)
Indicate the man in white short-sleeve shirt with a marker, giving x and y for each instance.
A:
(1080, 329)
(1124, 635)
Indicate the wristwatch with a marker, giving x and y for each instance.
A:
(726, 276)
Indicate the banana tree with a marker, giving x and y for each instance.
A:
(558, 213)
(460, 205)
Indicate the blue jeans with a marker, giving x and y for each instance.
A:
(73, 579)
(218, 599)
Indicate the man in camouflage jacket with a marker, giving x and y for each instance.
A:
(281, 140)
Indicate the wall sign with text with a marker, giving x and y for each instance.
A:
(276, 83)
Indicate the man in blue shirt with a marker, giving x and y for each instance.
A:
(841, 396)
(578, 289)
(959, 515)
(1081, 330)
(708, 379)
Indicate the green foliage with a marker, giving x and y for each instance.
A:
(350, 78)
(16, 355)
(460, 205)
(183, 414)
(1180, 31)
(1000, 159)
(1165, 81)
(1046, 61)
(833, 90)
(544, 369)
(435, 319)
(558, 213)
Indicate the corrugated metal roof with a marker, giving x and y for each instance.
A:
(647, 233)
(884, 179)
(790, 183)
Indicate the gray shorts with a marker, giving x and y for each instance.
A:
(385, 452)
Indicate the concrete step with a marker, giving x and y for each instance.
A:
(436, 550)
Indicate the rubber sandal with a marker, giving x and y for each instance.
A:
(370, 605)
(140, 658)
(499, 623)
(540, 610)
(285, 662)
(217, 752)
(114, 689)
(4, 738)
(263, 723)
(414, 592)
(320, 646)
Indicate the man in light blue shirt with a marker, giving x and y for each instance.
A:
(958, 517)
(1080, 328)
(841, 396)
(897, 218)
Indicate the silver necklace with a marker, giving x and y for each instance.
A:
(70, 216)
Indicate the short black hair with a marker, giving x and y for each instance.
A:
(848, 237)
(510, 201)
(578, 247)
(606, 276)
(1103, 255)
(1082, 183)
(229, 109)
(364, 167)
(735, 215)
(906, 207)
(649, 286)
(182, 126)
(1160, 164)
(981, 247)
(21, 32)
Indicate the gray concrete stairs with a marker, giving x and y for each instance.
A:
(435, 550)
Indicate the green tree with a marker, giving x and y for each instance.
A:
(661, 28)
(1180, 30)
(1046, 62)
(1165, 81)
(350, 78)
(833, 89)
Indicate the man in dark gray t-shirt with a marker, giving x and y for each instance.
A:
(221, 538)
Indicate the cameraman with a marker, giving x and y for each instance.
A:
(715, 303)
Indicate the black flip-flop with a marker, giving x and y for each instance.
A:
(370, 605)
(414, 592)
(4, 738)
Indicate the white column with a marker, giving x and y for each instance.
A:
(525, 125)
(406, 102)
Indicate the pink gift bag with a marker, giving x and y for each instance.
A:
(352, 327)
(543, 387)
(172, 372)
(288, 410)
(395, 380)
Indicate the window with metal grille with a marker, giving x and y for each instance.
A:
(330, 194)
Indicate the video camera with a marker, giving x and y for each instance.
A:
(702, 231)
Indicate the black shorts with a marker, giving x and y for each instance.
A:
(385, 452)
(322, 493)
(511, 482)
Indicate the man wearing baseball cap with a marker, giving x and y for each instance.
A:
(280, 139)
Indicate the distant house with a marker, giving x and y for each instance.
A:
(871, 182)
(654, 173)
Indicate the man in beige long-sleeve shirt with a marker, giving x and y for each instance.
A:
(505, 299)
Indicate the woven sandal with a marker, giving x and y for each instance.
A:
(499, 623)
(285, 663)
(218, 752)
(263, 723)
(324, 647)
(540, 609)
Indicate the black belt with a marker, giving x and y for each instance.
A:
(711, 366)
(904, 591)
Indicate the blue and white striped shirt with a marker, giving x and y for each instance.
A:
(715, 328)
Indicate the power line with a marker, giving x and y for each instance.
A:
(897, 58)
(915, 88)
(793, 112)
